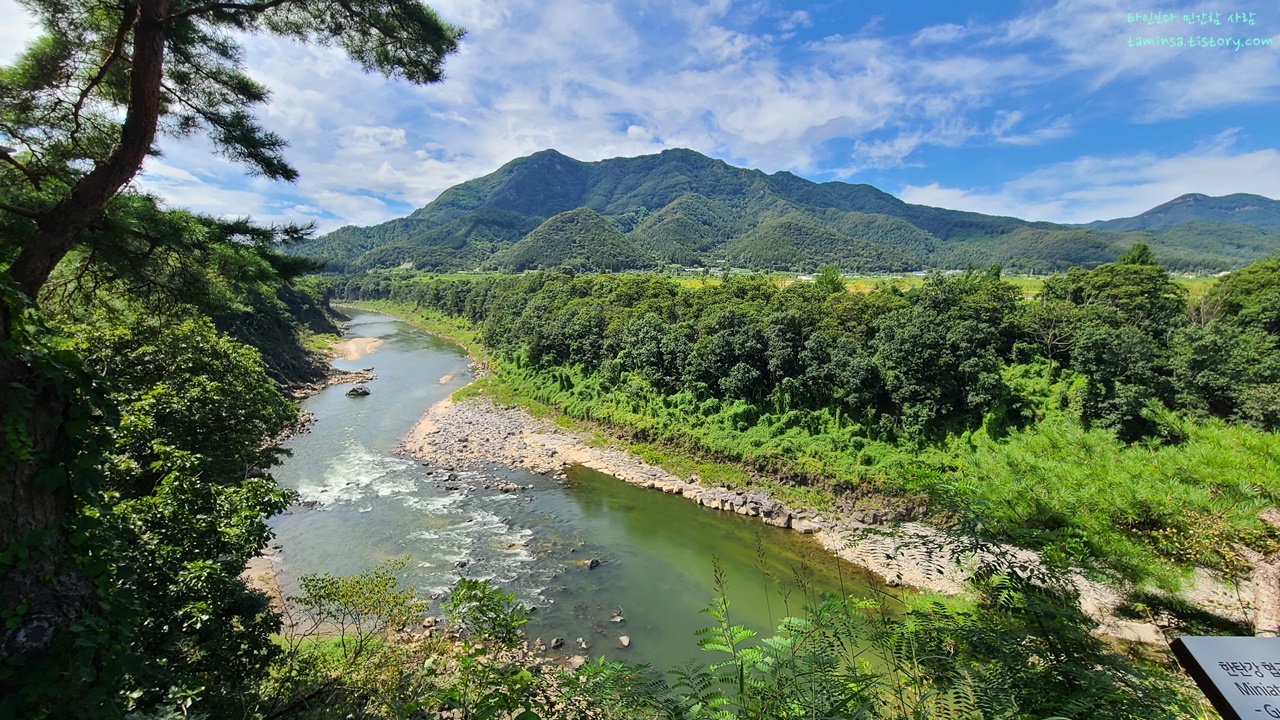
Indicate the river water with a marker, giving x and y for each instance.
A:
(362, 503)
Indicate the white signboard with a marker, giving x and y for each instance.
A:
(1239, 675)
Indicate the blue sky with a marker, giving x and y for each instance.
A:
(1035, 109)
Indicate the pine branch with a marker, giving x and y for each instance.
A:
(16, 210)
(214, 7)
(26, 171)
(117, 47)
(60, 225)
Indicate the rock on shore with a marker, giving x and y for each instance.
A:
(335, 377)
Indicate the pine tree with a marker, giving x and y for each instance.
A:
(80, 110)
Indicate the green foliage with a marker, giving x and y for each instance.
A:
(341, 654)
(123, 596)
(829, 280)
(481, 612)
(1139, 254)
(1251, 297)
(173, 381)
(794, 242)
(349, 651)
(167, 514)
(57, 393)
(1084, 498)
(811, 668)
(199, 635)
(1019, 648)
(685, 229)
(1210, 247)
(1227, 371)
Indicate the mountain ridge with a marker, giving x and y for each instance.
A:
(683, 208)
(1236, 209)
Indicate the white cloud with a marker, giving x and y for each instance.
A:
(1090, 38)
(17, 28)
(797, 19)
(597, 79)
(939, 34)
(1060, 127)
(1005, 120)
(1096, 188)
(365, 139)
(884, 153)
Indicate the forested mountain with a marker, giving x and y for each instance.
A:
(681, 207)
(578, 237)
(1240, 208)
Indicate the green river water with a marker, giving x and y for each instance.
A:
(363, 503)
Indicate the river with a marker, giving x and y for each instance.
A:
(363, 503)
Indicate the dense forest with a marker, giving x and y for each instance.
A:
(959, 392)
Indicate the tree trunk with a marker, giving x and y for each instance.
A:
(1266, 583)
(41, 580)
(46, 592)
(59, 226)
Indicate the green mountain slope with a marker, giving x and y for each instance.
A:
(681, 207)
(680, 232)
(1210, 246)
(795, 242)
(578, 238)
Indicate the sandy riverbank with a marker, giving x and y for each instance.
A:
(478, 432)
(262, 573)
(356, 348)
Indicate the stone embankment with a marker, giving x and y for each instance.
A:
(478, 432)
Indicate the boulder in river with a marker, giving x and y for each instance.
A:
(623, 641)
(557, 643)
(592, 564)
(358, 391)
(806, 527)
(782, 520)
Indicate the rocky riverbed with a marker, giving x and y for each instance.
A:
(477, 432)
(335, 377)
